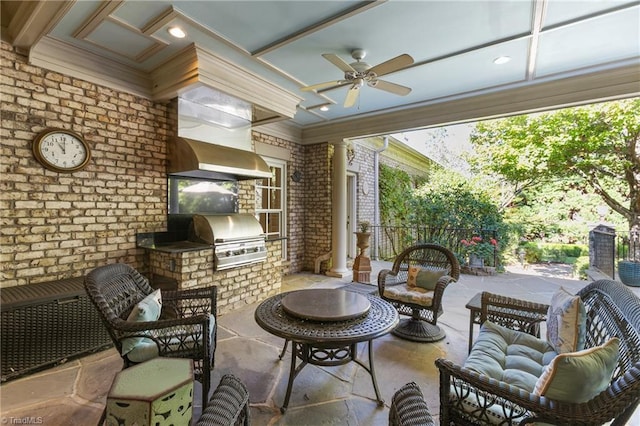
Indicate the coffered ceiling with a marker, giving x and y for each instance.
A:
(560, 53)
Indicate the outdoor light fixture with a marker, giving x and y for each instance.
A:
(324, 108)
(501, 60)
(177, 32)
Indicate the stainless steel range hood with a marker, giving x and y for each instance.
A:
(191, 158)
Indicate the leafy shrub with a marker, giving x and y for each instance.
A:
(580, 267)
(554, 252)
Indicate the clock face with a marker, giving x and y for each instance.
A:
(61, 151)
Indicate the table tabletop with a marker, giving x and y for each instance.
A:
(380, 319)
(323, 305)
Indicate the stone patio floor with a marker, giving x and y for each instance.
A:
(74, 393)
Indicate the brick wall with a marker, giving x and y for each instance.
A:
(317, 205)
(363, 164)
(61, 225)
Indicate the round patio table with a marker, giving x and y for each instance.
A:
(325, 326)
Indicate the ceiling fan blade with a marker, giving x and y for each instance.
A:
(341, 83)
(352, 96)
(387, 86)
(338, 62)
(392, 65)
(324, 85)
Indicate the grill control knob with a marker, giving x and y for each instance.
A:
(228, 253)
(243, 251)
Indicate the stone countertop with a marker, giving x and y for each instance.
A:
(175, 246)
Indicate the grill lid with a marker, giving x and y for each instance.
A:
(226, 228)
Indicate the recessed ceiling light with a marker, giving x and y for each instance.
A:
(177, 32)
(324, 108)
(501, 60)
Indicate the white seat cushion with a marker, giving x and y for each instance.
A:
(407, 294)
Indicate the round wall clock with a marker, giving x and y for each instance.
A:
(61, 150)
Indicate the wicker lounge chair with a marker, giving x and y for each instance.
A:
(612, 310)
(423, 305)
(188, 332)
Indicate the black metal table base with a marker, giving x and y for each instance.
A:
(326, 357)
(326, 342)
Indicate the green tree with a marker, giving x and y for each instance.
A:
(449, 200)
(595, 148)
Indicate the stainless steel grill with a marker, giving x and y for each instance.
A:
(237, 239)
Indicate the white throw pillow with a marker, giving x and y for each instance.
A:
(566, 322)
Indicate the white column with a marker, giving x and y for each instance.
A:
(339, 211)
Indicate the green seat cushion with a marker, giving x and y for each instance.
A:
(148, 309)
(566, 322)
(509, 356)
(579, 376)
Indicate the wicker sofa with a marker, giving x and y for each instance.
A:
(611, 310)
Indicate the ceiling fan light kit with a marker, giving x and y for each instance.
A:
(358, 73)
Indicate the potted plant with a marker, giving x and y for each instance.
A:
(629, 272)
(363, 236)
(362, 264)
(478, 251)
(629, 268)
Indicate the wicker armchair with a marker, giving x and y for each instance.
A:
(611, 309)
(229, 404)
(408, 407)
(422, 326)
(189, 332)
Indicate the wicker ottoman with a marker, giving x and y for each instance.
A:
(156, 392)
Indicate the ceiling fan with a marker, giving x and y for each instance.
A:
(358, 73)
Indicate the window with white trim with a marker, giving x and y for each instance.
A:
(271, 202)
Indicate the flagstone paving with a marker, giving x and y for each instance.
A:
(74, 393)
